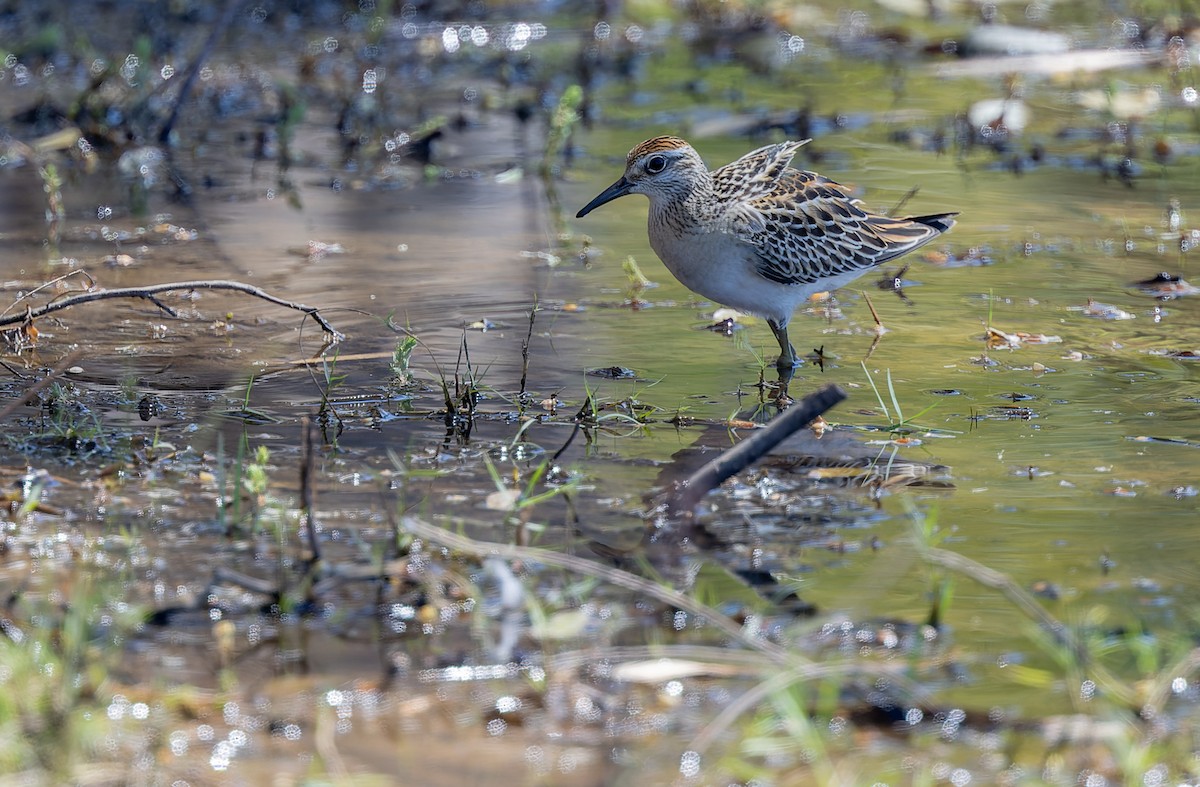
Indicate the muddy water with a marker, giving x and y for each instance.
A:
(1058, 472)
(1074, 462)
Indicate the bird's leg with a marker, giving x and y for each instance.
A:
(787, 357)
(782, 399)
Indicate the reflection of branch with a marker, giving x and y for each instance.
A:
(150, 291)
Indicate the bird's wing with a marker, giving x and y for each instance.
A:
(755, 174)
(808, 228)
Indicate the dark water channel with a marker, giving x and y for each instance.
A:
(1066, 454)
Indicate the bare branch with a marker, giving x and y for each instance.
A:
(150, 291)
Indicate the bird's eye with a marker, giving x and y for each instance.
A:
(656, 164)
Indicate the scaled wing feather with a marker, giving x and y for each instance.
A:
(807, 228)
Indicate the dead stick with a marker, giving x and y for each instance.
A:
(745, 453)
(219, 27)
(525, 346)
(150, 291)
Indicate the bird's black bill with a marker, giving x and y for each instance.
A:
(618, 189)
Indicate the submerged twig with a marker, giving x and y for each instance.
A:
(745, 453)
(148, 293)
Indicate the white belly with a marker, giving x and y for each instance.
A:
(721, 268)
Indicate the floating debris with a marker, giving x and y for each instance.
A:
(612, 373)
(999, 340)
(662, 670)
(1103, 311)
(1166, 286)
(1038, 338)
(317, 250)
(552, 260)
(1015, 413)
(971, 257)
(1045, 589)
(1166, 440)
(502, 500)
(726, 327)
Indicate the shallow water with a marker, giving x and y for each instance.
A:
(1089, 485)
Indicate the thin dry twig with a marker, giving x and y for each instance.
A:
(525, 347)
(149, 292)
(91, 282)
(879, 329)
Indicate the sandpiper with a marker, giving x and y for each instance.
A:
(757, 235)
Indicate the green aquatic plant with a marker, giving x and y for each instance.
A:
(562, 123)
(898, 424)
(400, 364)
(59, 650)
(69, 423)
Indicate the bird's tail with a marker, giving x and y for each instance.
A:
(938, 221)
